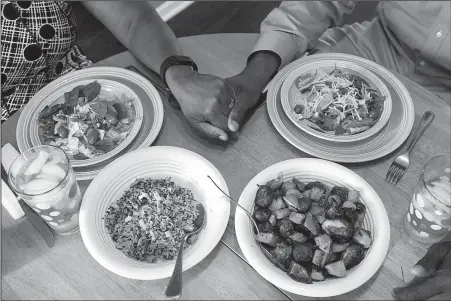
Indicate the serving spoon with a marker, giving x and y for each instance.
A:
(174, 289)
(264, 250)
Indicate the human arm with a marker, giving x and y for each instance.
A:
(434, 276)
(286, 32)
(203, 98)
(138, 27)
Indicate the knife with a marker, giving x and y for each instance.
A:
(37, 222)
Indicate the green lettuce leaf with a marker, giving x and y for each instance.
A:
(92, 90)
(71, 98)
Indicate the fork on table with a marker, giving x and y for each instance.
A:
(402, 162)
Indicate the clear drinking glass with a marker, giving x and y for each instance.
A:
(43, 178)
(429, 217)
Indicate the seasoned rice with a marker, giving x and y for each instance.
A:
(150, 220)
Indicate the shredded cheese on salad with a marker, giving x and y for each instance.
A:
(337, 102)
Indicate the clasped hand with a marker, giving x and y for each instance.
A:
(213, 106)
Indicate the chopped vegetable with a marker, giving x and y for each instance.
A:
(304, 204)
(353, 195)
(299, 273)
(267, 238)
(285, 227)
(319, 258)
(282, 253)
(337, 101)
(272, 220)
(275, 184)
(277, 204)
(307, 227)
(339, 229)
(264, 196)
(317, 190)
(333, 257)
(319, 212)
(297, 218)
(293, 192)
(291, 201)
(299, 184)
(282, 213)
(80, 125)
(312, 224)
(349, 204)
(302, 229)
(303, 252)
(318, 274)
(341, 192)
(299, 237)
(360, 220)
(360, 207)
(352, 256)
(363, 238)
(350, 214)
(334, 212)
(323, 242)
(338, 248)
(287, 186)
(335, 200)
(261, 215)
(336, 269)
(91, 90)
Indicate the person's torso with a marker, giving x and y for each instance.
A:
(423, 27)
(38, 46)
(35, 34)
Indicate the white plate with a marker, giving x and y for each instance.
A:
(147, 94)
(383, 143)
(289, 91)
(308, 170)
(187, 169)
(110, 91)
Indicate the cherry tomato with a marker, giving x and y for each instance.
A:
(62, 132)
(92, 136)
(111, 119)
(111, 110)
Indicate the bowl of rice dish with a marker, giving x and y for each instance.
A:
(137, 211)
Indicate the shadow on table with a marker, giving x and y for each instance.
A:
(21, 244)
(359, 293)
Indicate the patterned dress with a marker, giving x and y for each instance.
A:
(38, 45)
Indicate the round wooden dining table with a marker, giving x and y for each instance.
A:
(31, 270)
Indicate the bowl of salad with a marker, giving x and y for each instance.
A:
(336, 100)
(91, 121)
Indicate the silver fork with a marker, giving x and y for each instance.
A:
(402, 162)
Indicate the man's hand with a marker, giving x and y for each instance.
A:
(249, 84)
(204, 99)
(246, 92)
(434, 273)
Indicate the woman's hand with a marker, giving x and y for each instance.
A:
(204, 99)
(434, 276)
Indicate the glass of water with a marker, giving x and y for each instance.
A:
(43, 178)
(428, 219)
